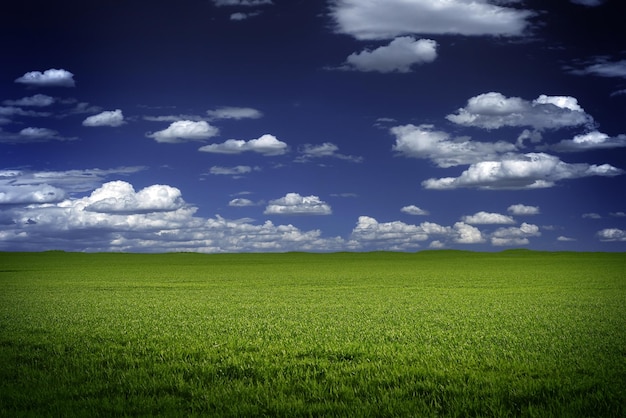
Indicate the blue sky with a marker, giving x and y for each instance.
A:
(299, 125)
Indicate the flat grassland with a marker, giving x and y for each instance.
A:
(435, 333)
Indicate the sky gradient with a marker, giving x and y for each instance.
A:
(301, 125)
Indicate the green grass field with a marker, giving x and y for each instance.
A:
(436, 333)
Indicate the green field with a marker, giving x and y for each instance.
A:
(435, 333)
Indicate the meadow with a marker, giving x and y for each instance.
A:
(434, 333)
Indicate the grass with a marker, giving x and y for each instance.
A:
(436, 333)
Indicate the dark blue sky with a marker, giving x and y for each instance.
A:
(258, 125)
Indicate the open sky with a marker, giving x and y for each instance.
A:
(312, 125)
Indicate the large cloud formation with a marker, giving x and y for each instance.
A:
(387, 19)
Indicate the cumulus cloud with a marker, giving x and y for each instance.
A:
(612, 234)
(116, 218)
(236, 113)
(325, 150)
(522, 210)
(515, 235)
(294, 204)
(38, 100)
(120, 197)
(49, 78)
(267, 145)
(424, 142)
(486, 218)
(185, 130)
(494, 110)
(399, 56)
(220, 3)
(111, 118)
(400, 236)
(414, 210)
(526, 171)
(589, 141)
(386, 19)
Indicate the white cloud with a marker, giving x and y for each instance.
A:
(515, 235)
(111, 118)
(185, 130)
(399, 56)
(493, 110)
(241, 202)
(27, 194)
(120, 197)
(221, 3)
(424, 142)
(522, 210)
(487, 218)
(31, 134)
(236, 113)
(116, 218)
(414, 210)
(267, 145)
(38, 100)
(294, 204)
(612, 234)
(589, 141)
(400, 236)
(602, 67)
(386, 19)
(49, 78)
(562, 238)
(325, 150)
(527, 171)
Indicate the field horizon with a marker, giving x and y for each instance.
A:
(430, 333)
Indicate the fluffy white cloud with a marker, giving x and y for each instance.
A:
(527, 171)
(120, 197)
(400, 236)
(325, 150)
(522, 210)
(493, 110)
(424, 142)
(234, 113)
(220, 3)
(612, 234)
(38, 100)
(487, 218)
(266, 145)
(515, 235)
(414, 210)
(589, 141)
(49, 78)
(399, 56)
(111, 118)
(386, 19)
(185, 130)
(294, 204)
